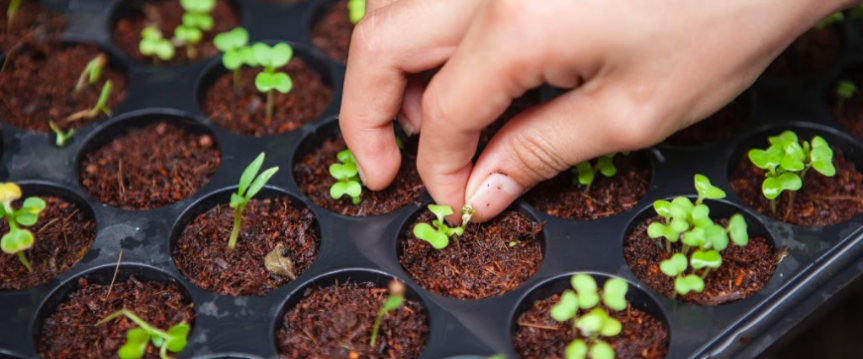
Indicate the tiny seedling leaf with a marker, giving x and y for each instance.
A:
(440, 211)
(605, 164)
(708, 259)
(576, 349)
(16, 240)
(689, 283)
(737, 230)
(601, 350)
(178, 336)
(662, 208)
(231, 40)
(566, 308)
(585, 173)
(610, 327)
(674, 265)
(427, 233)
(614, 294)
(706, 190)
(261, 181)
(250, 173)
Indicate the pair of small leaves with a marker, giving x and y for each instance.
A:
(137, 340)
(599, 349)
(62, 137)
(586, 296)
(350, 188)
(347, 175)
(251, 183)
(772, 187)
(604, 165)
(198, 6)
(438, 236)
(845, 89)
(705, 259)
(706, 190)
(16, 240)
(272, 57)
(598, 322)
(279, 81)
(675, 265)
(356, 10)
(188, 35)
(153, 44)
(231, 40)
(196, 20)
(690, 283)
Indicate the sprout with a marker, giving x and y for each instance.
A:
(786, 162)
(17, 240)
(92, 72)
(11, 11)
(137, 339)
(356, 10)
(268, 80)
(197, 14)
(235, 53)
(189, 37)
(154, 44)
(62, 137)
(250, 184)
(347, 176)
(393, 302)
(596, 322)
(438, 236)
(101, 105)
(834, 18)
(845, 90)
(586, 173)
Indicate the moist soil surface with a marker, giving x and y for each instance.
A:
(149, 167)
(71, 331)
(850, 113)
(203, 256)
(242, 109)
(63, 234)
(313, 177)
(814, 50)
(539, 336)
(607, 196)
(332, 32)
(821, 202)
(490, 259)
(719, 126)
(744, 271)
(31, 21)
(166, 15)
(39, 82)
(519, 105)
(336, 322)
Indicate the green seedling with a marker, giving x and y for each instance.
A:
(439, 235)
(18, 239)
(675, 267)
(250, 184)
(137, 339)
(497, 356)
(92, 72)
(188, 37)
(100, 107)
(347, 177)
(834, 18)
(154, 44)
(585, 172)
(356, 10)
(596, 322)
(11, 11)
(393, 302)
(235, 53)
(197, 15)
(787, 161)
(845, 90)
(62, 137)
(272, 58)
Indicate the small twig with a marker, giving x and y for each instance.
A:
(839, 198)
(120, 179)
(48, 225)
(116, 270)
(538, 326)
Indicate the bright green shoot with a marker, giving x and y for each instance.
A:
(62, 137)
(586, 172)
(250, 184)
(272, 58)
(137, 339)
(12, 10)
(155, 45)
(347, 176)
(834, 18)
(393, 302)
(786, 163)
(100, 107)
(18, 239)
(235, 53)
(845, 90)
(92, 72)
(189, 37)
(438, 236)
(356, 10)
(196, 20)
(596, 322)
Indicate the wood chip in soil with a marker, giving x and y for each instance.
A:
(812, 51)
(166, 15)
(242, 109)
(850, 113)
(519, 105)
(490, 259)
(821, 202)
(38, 85)
(336, 321)
(332, 32)
(744, 270)
(719, 126)
(607, 196)
(30, 22)
(149, 167)
(63, 235)
(202, 254)
(312, 174)
(539, 336)
(71, 332)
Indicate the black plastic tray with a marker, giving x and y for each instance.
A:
(819, 260)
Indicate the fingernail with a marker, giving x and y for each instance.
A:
(406, 125)
(494, 195)
(362, 176)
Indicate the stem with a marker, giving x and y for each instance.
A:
(376, 328)
(667, 245)
(190, 51)
(773, 206)
(24, 261)
(235, 233)
(685, 249)
(269, 105)
(790, 205)
(237, 77)
(706, 272)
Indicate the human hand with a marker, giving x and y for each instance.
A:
(637, 72)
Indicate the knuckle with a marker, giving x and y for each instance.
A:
(538, 156)
(631, 125)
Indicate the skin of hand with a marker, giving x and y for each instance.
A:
(636, 72)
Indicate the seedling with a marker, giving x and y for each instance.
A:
(439, 235)
(18, 239)
(250, 184)
(100, 107)
(845, 90)
(11, 11)
(272, 58)
(92, 72)
(586, 172)
(189, 37)
(393, 302)
(232, 44)
(196, 20)
(62, 137)
(786, 163)
(154, 44)
(834, 18)
(356, 10)
(596, 322)
(137, 339)
(347, 176)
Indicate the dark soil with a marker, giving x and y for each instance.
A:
(744, 270)
(63, 234)
(607, 196)
(336, 322)
(519, 105)
(821, 202)
(313, 177)
(71, 331)
(149, 167)
(814, 50)
(202, 253)
(242, 109)
(481, 263)
(539, 336)
(166, 15)
(332, 32)
(850, 114)
(719, 126)
(38, 85)
(32, 21)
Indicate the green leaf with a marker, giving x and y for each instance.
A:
(774, 186)
(614, 294)
(566, 308)
(231, 40)
(188, 35)
(587, 300)
(681, 207)
(237, 200)
(282, 82)
(33, 205)
(280, 54)
(151, 33)
(605, 165)
(674, 266)
(583, 284)
(737, 229)
(265, 81)
(709, 259)
(200, 6)
(133, 350)
(250, 173)
(261, 54)
(356, 10)
(16, 240)
(610, 327)
(350, 188)
(343, 171)
(591, 323)
(601, 350)
(845, 90)
(782, 138)
(164, 50)
(178, 336)
(763, 160)
(346, 156)
(656, 230)
(662, 208)
(576, 349)
(261, 181)
(25, 218)
(425, 232)
(232, 59)
(198, 21)
(707, 190)
(717, 238)
(695, 238)
(678, 225)
(689, 283)
(440, 211)
(585, 173)
(248, 56)
(700, 212)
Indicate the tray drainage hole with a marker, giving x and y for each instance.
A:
(720, 126)
(278, 240)
(63, 234)
(319, 151)
(130, 17)
(847, 110)
(66, 322)
(332, 28)
(822, 201)
(488, 260)
(342, 309)
(535, 334)
(744, 270)
(815, 50)
(148, 162)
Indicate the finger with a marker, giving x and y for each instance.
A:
(408, 36)
(373, 5)
(410, 117)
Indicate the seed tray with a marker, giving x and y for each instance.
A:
(819, 261)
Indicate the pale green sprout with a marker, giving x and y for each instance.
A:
(393, 302)
(356, 10)
(100, 107)
(596, 323)
(834, 18)
(585, 172)
(173, 340)
(235, 53)
(250, 184)
(189, 37)
(92, 72)
(196, 20)
(347, 178)
(12, 10)
(62, 137)
(845, 90)
(18, 239)
(154, 44)
(439, 235)
(272, 58)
